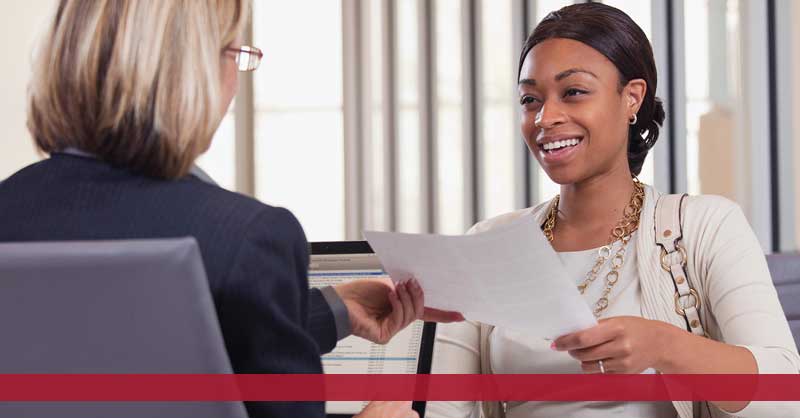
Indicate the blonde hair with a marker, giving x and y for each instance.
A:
(135, 82)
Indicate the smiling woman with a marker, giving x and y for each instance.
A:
(599, 81)
(589, 115)
(573, 100)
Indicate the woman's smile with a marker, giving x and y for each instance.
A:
(559, 149)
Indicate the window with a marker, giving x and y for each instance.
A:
(299, 148)
(450, 139)
(499, 140)
(409, 151)
(378, 185)
(715, 152)
(219, 161)
(790, 172)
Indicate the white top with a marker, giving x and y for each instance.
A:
(515, 352)
(727, 267)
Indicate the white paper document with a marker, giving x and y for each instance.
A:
(509, 276)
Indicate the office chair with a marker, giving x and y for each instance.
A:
(785, 270)
(141, 306)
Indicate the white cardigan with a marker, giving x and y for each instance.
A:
(725, 264)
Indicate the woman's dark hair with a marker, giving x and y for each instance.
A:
(614, 34)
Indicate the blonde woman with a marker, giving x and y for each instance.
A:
(587, 83)
(125, 96)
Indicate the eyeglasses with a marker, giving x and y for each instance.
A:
(247, 57)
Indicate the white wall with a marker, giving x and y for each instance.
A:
(21, 23)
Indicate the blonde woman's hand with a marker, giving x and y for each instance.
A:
(388, 409)
(378, 310)
(625, 344)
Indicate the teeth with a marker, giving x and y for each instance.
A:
(561, 144)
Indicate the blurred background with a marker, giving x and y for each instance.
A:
(402, 114)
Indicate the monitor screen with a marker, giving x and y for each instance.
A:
(356, 355)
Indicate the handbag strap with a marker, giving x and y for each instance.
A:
(669, 234)
(489, 409)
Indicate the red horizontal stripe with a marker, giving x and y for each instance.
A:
(310, 387)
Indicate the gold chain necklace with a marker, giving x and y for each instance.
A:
(622, 232)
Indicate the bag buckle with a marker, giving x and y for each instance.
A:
(665, 264)
(680, 307)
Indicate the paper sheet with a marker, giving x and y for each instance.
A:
(509, 276)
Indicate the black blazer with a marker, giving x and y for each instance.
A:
(255, 256)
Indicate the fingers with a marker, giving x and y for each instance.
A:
(584, 339)
(408, 304)
(614, 365)
(402, 409)
(417, 297)
(388, 409)
(397, 314)
(594, 366)
(429, 314)
(592, 354)
(438, 315)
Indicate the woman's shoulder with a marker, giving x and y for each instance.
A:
(246, 232)
(506, 218)
(712, 222)
(709, 209)
(244, 213)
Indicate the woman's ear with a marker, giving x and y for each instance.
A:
(634, 93)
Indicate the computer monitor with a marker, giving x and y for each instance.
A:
(409, 352)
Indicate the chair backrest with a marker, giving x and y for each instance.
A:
(785, 270)
(140, 306)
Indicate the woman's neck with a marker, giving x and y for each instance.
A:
(596, 204)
